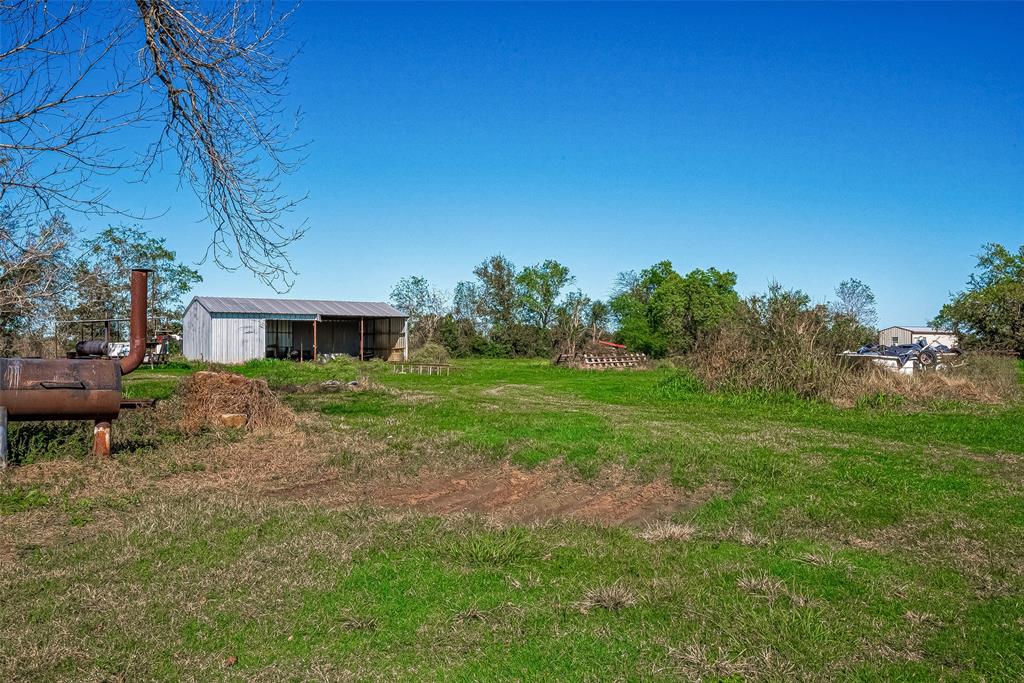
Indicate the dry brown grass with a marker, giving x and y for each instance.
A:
(729, 360)
(613, 598)
(698, 662)
(206, 395)
(981, 379)
(667, 531)
(763, 586)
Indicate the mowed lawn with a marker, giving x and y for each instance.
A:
(872, 543)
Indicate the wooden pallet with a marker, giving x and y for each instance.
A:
(421, 368)
(600, 361)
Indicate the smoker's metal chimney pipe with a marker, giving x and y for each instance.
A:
(137, 320)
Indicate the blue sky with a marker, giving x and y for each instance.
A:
(805, 143)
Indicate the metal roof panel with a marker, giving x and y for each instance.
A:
(349, 309)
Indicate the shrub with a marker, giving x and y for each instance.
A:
(430, 353)
(777, 342)
(30, 442)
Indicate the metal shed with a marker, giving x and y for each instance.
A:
(899, 334)
(236, 330)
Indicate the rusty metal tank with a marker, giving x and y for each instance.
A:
(74, 388)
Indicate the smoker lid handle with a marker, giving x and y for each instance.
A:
(62, 385)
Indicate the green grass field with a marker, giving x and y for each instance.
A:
(870, 543)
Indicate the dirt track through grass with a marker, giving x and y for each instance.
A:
(509, 494)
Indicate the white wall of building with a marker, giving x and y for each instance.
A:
(891, 336)
(195, 332)
(222, 338)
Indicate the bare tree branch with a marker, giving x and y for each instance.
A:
(206, 78)
(221, 83)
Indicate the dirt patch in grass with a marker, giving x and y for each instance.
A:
(507, 493)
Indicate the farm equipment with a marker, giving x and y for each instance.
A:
(84, 386)
(905, 358)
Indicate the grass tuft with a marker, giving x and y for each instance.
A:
(504, 548)
(667, 531)
(613, 598)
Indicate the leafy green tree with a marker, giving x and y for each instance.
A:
(540, 286)
(498, 293)
(461, 338)
(500, 305)
(662, 312)
(102, 277)
(630, 307)
(425, 305)
(466, 303)
(990, 312)
(683, 307)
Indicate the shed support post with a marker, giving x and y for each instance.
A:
(405, 339)
(314, 338)
(362, 332)
(3, 437)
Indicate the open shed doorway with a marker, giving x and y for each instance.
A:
(363, 338)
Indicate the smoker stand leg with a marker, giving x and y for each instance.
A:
(3, 437)
(101, 439)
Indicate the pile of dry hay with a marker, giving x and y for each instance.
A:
(207, 397)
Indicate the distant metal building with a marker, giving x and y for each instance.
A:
(236, 330)
(898, 334)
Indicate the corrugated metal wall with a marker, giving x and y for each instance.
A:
(195, 333)
(237, 339)
(386, 338)
(892, 336)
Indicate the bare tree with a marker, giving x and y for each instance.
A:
(34, 266)
(424, 304)
(856, 301)
(598, 316)
(55, 109)
(206, 81)
(571, 321)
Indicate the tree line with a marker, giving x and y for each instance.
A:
(48, 273)
(536, 310)
(989, 312)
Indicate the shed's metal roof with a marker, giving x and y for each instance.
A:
(230, 304)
